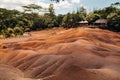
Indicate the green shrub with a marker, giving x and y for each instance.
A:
(18, 31)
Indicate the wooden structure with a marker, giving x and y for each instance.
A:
(100, 23)
(82, 23)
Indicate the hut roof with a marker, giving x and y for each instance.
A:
(101, 21)
(83, 22)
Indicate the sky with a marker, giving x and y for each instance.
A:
(62, 7)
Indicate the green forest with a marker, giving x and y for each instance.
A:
(15, 23)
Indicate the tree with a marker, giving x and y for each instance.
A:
(68, 21)
(105, 11)
(51, 10)
(91, 17)
(57, 0)
(32, 8)
(80, 14)
(59, 19)
(114, 21)
(18, 31)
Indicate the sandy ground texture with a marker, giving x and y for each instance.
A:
(62, 54)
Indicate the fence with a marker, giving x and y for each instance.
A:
(16, 39)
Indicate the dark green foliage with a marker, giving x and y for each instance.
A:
(112, 14)
(92, 17)
(18, 31)
(59, 20)
(71, 19)
(15, 23)
(114, 21)
(9, 19)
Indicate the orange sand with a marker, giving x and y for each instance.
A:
(60, 54)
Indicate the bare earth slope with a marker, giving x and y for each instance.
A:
(59, 54)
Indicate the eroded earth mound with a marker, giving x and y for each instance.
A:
(60, 54)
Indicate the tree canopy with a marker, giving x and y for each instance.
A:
(57, 0)
(15, 23)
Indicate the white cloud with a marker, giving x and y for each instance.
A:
(75, 1)
(17, 4)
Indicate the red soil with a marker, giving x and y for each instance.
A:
(59, 54)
